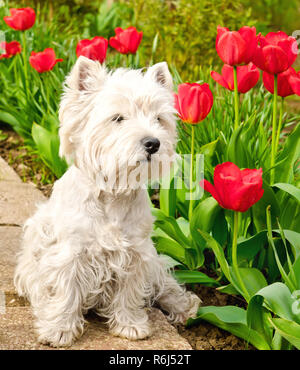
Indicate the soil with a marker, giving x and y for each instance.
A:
(205, 336)
(201, 337)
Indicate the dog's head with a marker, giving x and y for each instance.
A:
(118, 125)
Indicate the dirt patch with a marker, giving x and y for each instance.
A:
(205, 336)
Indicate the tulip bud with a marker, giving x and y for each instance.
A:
(236, 47)
(193, 102)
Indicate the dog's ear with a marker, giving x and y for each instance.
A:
(86, 75)
(161, 74)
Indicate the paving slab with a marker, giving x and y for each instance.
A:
(10, 237)
(17, 332)
(17, 202)
(7, 173)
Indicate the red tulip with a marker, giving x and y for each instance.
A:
(275, 53)
(126, 41)
(247, 77)
(236, 47)
(20, 19)
(234, 188)
(295, 83)
(94, 49)
(10, 48)
(193, 102)
(44, 61)
(288, 82)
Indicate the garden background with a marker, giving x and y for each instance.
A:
(251, 258)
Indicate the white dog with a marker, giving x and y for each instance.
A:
(89, 245)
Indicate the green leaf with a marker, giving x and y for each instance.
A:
(296, 272)
(289, 188)
(235, 151)
(290, 214)
(203, 218)
(184, 225)
(294, 239)
(48, 145)
(288, 329)
(257, 318)
(284, 173)
(248, 249)
(218, 251)
(220, 228)
(252, 278)
(279, 300)
(228, 289)
(232, 319)
(259, 209)
(170, 247)
(169, 225)
(167, 198)
(10, 119)
(188, 276)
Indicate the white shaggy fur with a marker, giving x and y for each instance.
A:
(89, 245)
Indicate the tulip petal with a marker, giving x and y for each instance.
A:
(249, 35)
(207, 186)
(274, 37)
(295, 84)
(284, 85)
(275, 59)
(219, 79)
(247, 77)
(227, 73)
(227, 179)
(231, 48)
(288, 46)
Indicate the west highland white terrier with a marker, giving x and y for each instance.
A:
(89, 245)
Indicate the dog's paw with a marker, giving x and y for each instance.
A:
(60, 339)
(190, 312)
(195, 303)
(132, 332)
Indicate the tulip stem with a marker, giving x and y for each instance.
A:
(234, 257)
(236, 98)
(191, 173)
(273, 144)
(279, 125)
(23, 35)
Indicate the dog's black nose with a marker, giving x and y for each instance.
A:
(151, 144)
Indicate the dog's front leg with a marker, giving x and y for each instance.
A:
(58, 309)
(128, 316)
(179, 303)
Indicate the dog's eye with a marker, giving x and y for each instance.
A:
(159, 119)
(118, 118)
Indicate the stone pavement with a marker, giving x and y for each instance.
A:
(17, 203)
